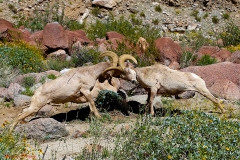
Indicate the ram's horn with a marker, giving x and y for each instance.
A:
(112, 68)
(111, 54)
(125, 57)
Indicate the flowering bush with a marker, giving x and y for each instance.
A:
(23, 56)
(191, 135)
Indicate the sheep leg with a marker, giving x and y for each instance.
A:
(93, 109)
(205, 92)
(37, 102)
(151, 96)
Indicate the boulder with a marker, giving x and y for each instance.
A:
(21, 100)
(43, 129)
(38, 76)
(5, 24)
(112, 34)
(59, 55)
(106, 3)
(223, 88)
(211, 73)
(222, 79)
(10, 92)
(235, 57)
(55, 36)
(169, 51)
(220, 54)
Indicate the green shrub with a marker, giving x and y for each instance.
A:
(177, 11)
(225, 16)
(38, 19)
(195, 40)
(215, 19)
(28, 81)
(22, 56)
(142, 14)
(12, 8)
(27, 92)
(81, 56)
(198, 19)
(158, 8)
(108, 99)
(74, 25)
(12, 146)
(96, 11)
(186, 59)
(206, 60)
(233, 48)
(194, 13)
(58, 64)
(51, 76)
(155, 21)
(191, 135)
(122, 26)
(205, 15)
(230, 34)
(135, 20)
(7, 73)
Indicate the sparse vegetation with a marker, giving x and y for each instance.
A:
(7, 73)
(194, 13)
(155, 21)
(96, 11)
(230, 34)
(12, 8)
(28, 81)
(206, 60)
(108, 100)
(215, 19)
(12, 145)
(158, 8)
(177, 11)
(142, 14)
(205, 15)
(186, 59)
(225, 15)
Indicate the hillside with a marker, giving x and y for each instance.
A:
(173, 15)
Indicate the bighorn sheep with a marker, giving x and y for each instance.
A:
(68, 88)
(113, 85)
(160, 79)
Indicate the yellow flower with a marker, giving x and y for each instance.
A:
(169, 157)
(40, 151)
(227, 148)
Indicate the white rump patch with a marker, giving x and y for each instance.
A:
(194, 75)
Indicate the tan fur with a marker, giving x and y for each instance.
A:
(78, 82)
(160, 79)
(113, 86)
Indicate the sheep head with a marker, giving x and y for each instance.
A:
(126, 71)
(114, 57)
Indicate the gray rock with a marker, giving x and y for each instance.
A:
(142, 99)
(21, 100)
(43, 129)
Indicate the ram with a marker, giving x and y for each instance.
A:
(160, 79)
(78, 82)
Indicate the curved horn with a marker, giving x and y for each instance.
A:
(125, 57)
(111, 54)
(112, 68)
